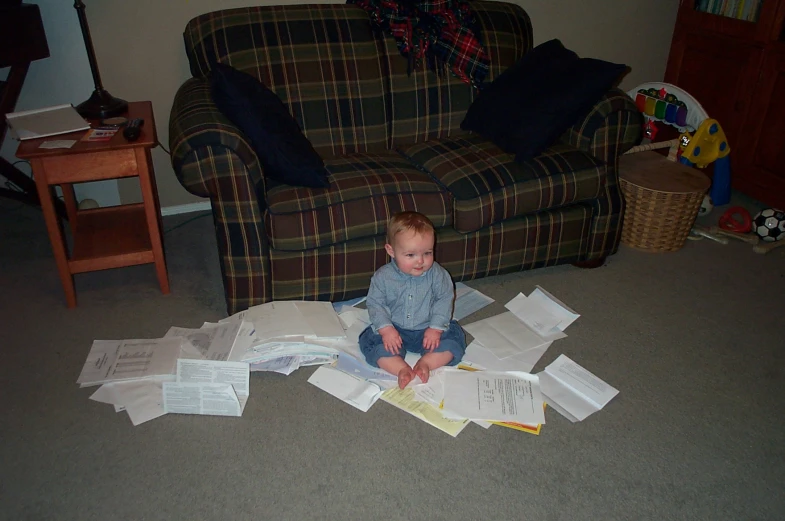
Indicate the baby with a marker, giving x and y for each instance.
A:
(410, 305)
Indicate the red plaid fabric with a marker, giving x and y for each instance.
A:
(442, 32)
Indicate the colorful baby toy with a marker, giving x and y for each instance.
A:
(702, 140)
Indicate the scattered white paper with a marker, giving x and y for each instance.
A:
(197, 398)
(543, 313)
(355, 391)
(478, 356)
(207, 387)
(494, 396)
(211, 342)
(117, 360)
(504, 335)
(468, 300)
(361, 369)
(339, 306)
(281, 319)
(573, 391)
(141, 399)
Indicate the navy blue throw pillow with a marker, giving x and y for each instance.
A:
(527, 107)
(285, 153)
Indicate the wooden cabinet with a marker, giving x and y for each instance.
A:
(736, 70)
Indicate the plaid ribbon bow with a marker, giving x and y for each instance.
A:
(443, 32)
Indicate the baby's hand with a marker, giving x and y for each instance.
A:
(391, 339)
(431, 338)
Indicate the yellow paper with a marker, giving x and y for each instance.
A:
(404, 400)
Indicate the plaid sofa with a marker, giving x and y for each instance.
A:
(391, 140)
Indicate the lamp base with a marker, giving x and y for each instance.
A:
(102, 105)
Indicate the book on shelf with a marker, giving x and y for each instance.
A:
(747, 10)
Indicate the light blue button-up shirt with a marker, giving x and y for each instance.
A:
(408, 301)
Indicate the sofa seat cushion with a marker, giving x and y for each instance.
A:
(365, 190)
(488, 186)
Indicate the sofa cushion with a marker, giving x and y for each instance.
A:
(425, 105)
(284, 152)
(320, 59)
(488, 186)
(365, 190)
(532, 103)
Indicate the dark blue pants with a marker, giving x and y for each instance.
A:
(452, 340)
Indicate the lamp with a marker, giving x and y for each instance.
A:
(101, 104)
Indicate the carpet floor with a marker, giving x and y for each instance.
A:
(693, 340)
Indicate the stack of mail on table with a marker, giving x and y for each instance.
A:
(517, 339)
(206, 370)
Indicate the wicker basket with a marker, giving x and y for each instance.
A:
(662, 201)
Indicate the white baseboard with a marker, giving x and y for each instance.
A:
(186, 208)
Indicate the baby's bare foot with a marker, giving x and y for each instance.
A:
(405, 376)
(422, 370)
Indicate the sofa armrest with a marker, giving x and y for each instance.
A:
(198, 129)
(211, 158)
(611, 127)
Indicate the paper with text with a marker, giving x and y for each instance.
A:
(494, 396)
(199, 398)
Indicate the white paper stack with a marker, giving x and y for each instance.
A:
(206, 370)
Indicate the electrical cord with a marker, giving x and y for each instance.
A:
(163, 148)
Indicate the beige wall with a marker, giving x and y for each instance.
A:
(141, 57)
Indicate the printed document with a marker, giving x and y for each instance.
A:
(207, 387)
(573, 391)
(493, 396)
(116, 360)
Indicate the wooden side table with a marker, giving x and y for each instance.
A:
(104, 238)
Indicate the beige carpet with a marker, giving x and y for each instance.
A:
(693, 340)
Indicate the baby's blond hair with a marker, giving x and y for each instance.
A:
(405, 221)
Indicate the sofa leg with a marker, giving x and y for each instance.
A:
(590, 264)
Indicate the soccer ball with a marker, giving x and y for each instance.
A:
(769, 224)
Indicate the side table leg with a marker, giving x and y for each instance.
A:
(71, 206)
(54, 227)
(150, 198)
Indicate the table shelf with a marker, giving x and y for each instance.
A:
(111, 237)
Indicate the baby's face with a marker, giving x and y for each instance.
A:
(412, 252)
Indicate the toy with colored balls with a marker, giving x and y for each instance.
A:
(769, 224)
